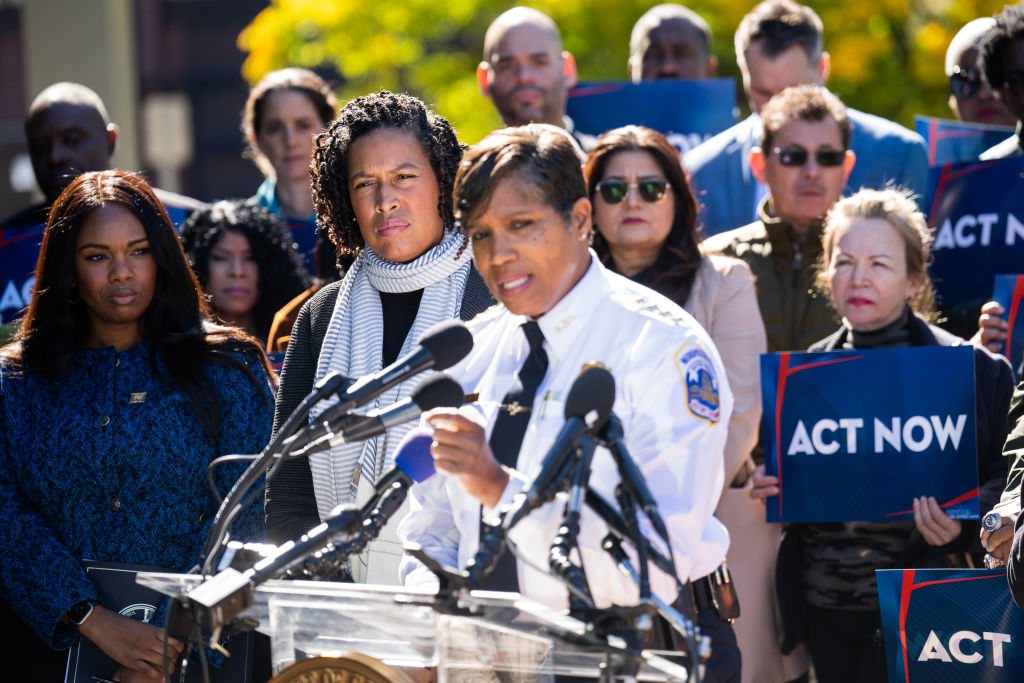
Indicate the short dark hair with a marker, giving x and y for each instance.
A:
(282, 274)
(300, 80)
(779, 25)
(807, 102)
(679, 256)
(176, 323)
(1009, 28)
(66, 92)
(544, 157)
(362, 116)
(659, 14)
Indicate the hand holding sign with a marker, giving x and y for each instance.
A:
(991, 327)
(764, 485)
(935, 525)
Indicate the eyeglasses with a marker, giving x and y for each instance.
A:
(651, 190)
(797, 156)
(964, 82)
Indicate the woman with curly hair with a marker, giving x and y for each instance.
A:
(114, 397)
(383, 173)
(284, 112)
(246, 263)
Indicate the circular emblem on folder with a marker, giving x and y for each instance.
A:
(140, 611)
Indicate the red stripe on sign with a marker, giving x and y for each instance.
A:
(780, 396)
(905, 589)
(973, 493)
(1018, 291)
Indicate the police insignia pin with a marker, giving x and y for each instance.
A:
(698, 374)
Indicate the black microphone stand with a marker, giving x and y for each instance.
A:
(632, 493)
(232, 505)
(580, 597)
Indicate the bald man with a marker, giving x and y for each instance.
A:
(68, 133)
(526, 73)
(670, 41)
(970, 96)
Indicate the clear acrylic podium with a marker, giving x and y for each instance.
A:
(505, 633)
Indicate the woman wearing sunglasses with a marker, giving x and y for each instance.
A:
(645, 217)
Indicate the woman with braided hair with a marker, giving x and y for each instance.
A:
(382, 173)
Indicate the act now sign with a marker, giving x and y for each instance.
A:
(950, 625)
(857, 435)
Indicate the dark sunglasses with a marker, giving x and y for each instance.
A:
(964, 82)
(615, 191)
(797, 156)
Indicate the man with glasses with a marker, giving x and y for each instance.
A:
(779, 44)
(1002, 61)
(805, 159)
(970, 97)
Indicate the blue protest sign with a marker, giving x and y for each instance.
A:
(951, 141)
(856, 435)
(686, 112)
(1009, 291)
(977, 211)
(19, 251)
(276, 359)
(950, 625)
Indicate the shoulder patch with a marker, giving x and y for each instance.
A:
(698, 375)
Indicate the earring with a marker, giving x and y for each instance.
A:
(75, 296)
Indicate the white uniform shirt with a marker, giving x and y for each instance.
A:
(674, 402)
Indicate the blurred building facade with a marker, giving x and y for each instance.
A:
(169, 72)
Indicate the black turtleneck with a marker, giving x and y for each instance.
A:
(399, 310)
(896, 333)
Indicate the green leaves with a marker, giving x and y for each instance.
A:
(887, 55)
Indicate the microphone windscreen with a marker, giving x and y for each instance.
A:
(448, 343)
(413, 454)
(593, 390)
(439, 392)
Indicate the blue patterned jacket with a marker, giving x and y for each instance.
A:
(108, 463)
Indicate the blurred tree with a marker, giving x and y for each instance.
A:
(887, 55)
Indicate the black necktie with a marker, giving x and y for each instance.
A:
(507, 435)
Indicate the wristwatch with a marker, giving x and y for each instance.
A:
(80, 611)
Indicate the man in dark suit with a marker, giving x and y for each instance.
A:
(778, 45)
(670, 41)
(68, 133)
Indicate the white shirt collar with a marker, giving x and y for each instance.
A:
(564, 322)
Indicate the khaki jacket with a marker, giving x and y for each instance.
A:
(795, 314)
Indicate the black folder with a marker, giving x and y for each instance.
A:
(116, 585)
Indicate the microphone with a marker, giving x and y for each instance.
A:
(629, 472)
(435, 393)
(587, 408)
(358, 526)
(219, 599)
(441, 347)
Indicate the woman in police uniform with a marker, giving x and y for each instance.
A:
(521, 199)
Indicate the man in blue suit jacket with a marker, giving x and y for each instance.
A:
(779, 44)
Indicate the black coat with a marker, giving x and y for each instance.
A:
(993, 385)
(290, 503)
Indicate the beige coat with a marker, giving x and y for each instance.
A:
(724, 302)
